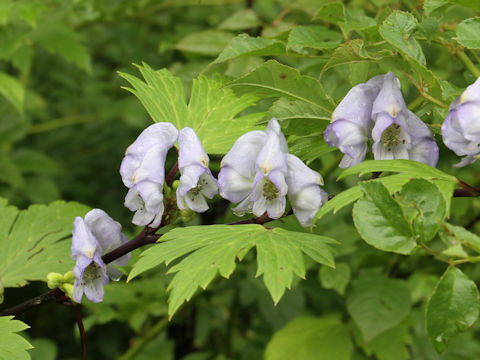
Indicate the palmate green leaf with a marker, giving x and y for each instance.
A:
(408, 170)
(398, 29)
(430, 6)
(468, 33)
(453, 307)
(355, 19)
(36, 241)
(12, 90)
(380, 221)
(314, 37)
(211, 112)
(215, 248)
(246, 45)
(13, 346)
(311, 338)
(273, 79)
(430, 207)
(377, 303)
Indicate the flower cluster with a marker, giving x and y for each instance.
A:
(376, 111)
(461, 128)
(93, 237)
(258, 173)
(143, 172)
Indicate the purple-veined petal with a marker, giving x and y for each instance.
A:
(244, 152)
(107, 231)
(347, 136)
(234, 186)
(467, 160)
(83, 241)
(274, 126)
(389, 100)
(425, 151)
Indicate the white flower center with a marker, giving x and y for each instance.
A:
(391, 136)
(270, 190)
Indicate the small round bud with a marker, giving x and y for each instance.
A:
(68, 277)
(176, 184)
(54, 280)
(67, 289)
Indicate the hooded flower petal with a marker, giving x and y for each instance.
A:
(461, 128)
(237, 172)
(89, 271)
(351, 122)
(304, 192)
(196, 180)
(109, 234)
(269, 188)
(274, 126)
(143, 171)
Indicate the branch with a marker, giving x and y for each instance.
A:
(466, 190)
(81, 329)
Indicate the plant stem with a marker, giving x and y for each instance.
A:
(144, 340)
(468, 63)
(81, 329)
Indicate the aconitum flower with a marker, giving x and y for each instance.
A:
(398, 133)
(304, 192)
(143, 172)
(237, 173)
(92, 238)
(376, 110)
(351, 122)
(269, 186)
(258, 173)
(196, 180)
(461, 128)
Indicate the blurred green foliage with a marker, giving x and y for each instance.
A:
(66, 121)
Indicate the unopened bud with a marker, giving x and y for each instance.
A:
(176, 184)
(54, 280)
(68, 290)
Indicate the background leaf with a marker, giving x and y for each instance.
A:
(310, 338)
(453, 307)
(377, 303)
(468, 33)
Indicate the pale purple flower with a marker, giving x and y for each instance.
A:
(398, 133)
(304, 192)
(461, 128)
(269, 186)
(237, 173)
(93, 237)
(143, 172)
(196, 180)
(351, 122)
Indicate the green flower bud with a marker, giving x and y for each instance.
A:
(54, 280)
(176, 184)
(67, 289)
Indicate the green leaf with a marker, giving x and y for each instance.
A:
(331, 12)
(336, 279)
(453, 307)
(430, 204)
(355, 19)
(215, 248)
(59, 39)
(398, 29)
(430, 6)
(314, 37)
(273, 79)
(377, 303)
(463, 236)
(291, 110)
(350, 52)
(211, 111)
(208, 42)
(309, 148)
(468, 33)
(36, 241)
(241, 20)
(12, 90)
(391, 344)
(310, 338)
(380, 220)
(246, 45)
(13, 346)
